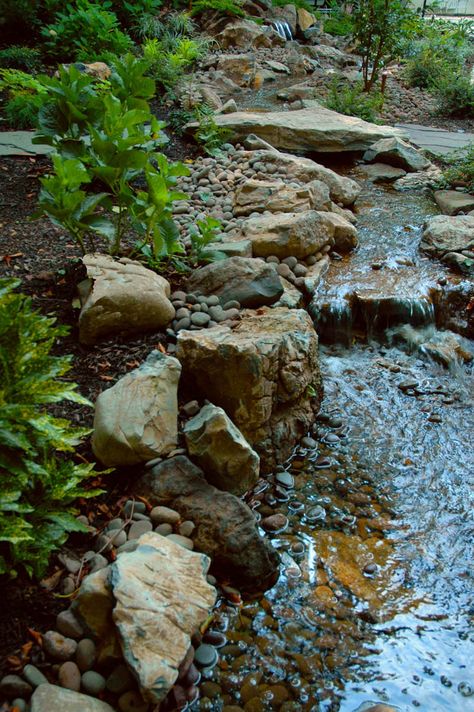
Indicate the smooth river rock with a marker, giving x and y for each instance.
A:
(289, 235)
(314, 129)
(121, 296)
(137, 419)
(220, 449)
(226, 529)
(262, 373)
(51, 698)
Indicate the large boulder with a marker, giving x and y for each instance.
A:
(344, 233)
(314, 129)
(137, 419)
(396, 153)
(121, 296)
(244, 34)
(290, 234)
(263, 373)
(48, 698)
(153, 599)
(342, 190)
(220, 449)
(258, 196)
(443, 234)
(452, 202)
(226, 529)
(305, 19)
(252, 282)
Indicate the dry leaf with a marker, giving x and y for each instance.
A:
(50, 583)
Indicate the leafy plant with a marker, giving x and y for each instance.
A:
(455, 95)
(337, 22)
(19, 57)
(38, 484)
(203, 234)
(170, 56)
(222, 7)
(304, 4)
(25, 97)
(460, 169)
(380, 28)
(208, 133)
(85, 31)
(350, 99)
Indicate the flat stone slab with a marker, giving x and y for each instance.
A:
(48, 698)
(438, 142)
(19, 143)
(312, 129)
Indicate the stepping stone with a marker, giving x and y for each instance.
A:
(19, 143)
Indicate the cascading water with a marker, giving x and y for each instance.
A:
(283, 29)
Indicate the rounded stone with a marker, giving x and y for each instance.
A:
(316, 513)
(232, 304)
(93, 682)
(164, 515)
(309, 443)
(34, 676)
(128, 546)
(116, 523)
(69, 676)
(68, 625)
(214, 638)
(182, 541)
(182, 313)
(283, 270)
(132, 702)
(186, 528)
(206, 656)
(120, 680)
(285, 479)
(14, 686)
(212, 301)
(183, 324)
(58, 647)
(273, 259)
(98, 562)
(86, 654)
(300, 270)
(120, 537)
(139, 528)
(200, 319)
(131, 506)
(290, 261)
(275, 523)
(20, 704)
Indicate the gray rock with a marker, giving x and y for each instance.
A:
(200, 319)
(34, 676)
(20, 704)
(92, 682)
(206, 656)
(383, 173)
(137, 419)
(68, 625)
(139, 528)
(452, 202)
(164, 515)
(120, 680)
(443, 234)
(164, 529)
(69, 676)
(251, 282)
(225, 527)
(59, 647)
(86, 654)
(398, 153)
(181, 540)
(49, 698)
(220, 449)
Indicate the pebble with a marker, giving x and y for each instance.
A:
(285, 479)
(232, 304)
(309, 442)
(164, 515)
(178, 296)
(34, 676)
(281, 494)
(86, 654)
(132, 702)
(98, 562)
(300, 270)
(14, 686)
(134, 506)
(316, 513)
(164, 529)
(273, 259)
(156, 460)
(71, 564)
(322, 462)
(120, 538)
(182, 324)
(298, 548)
(128, 546)
(215, 638)
(20, 704)
(116, 523)
(120, 680)
(139, 528)
(290, 261)
(186, 528)
(275, 523)
(182, 541)
(59, 647)
(206, 656)
(331, 438)
(68, 625)
(200, 319)
(190, 409)
(283, 270)
(69, 676)
(93, 682)
(370, 569)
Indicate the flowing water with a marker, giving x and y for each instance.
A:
(375, 600)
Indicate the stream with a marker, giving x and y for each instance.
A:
(375, 599)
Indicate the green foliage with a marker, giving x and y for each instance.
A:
(174, 24)
(38, 486)
(223, 7)
(350, 99)
(85, 31)
(129, 12)
(17, 16)
(460, 170)
(304, 4)
(209, 134)
(381, 27)
(105, 134)
(338, 23)
(19, 57)
(203, 234)
(25, 97)
(455, 95)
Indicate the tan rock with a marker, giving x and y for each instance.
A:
(243, 34)
(121, 296)
(305, 19)
(51, 698)
(345, 234)
(259, 373)
(220, 449)
(290, 234)
(444, 234)
(240, 68)
(137, 419)
(277, 197)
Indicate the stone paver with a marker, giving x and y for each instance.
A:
(437, 141)
(19, 143)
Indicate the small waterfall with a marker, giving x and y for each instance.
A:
(283, 29)
(333, 320)
(380, 314)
